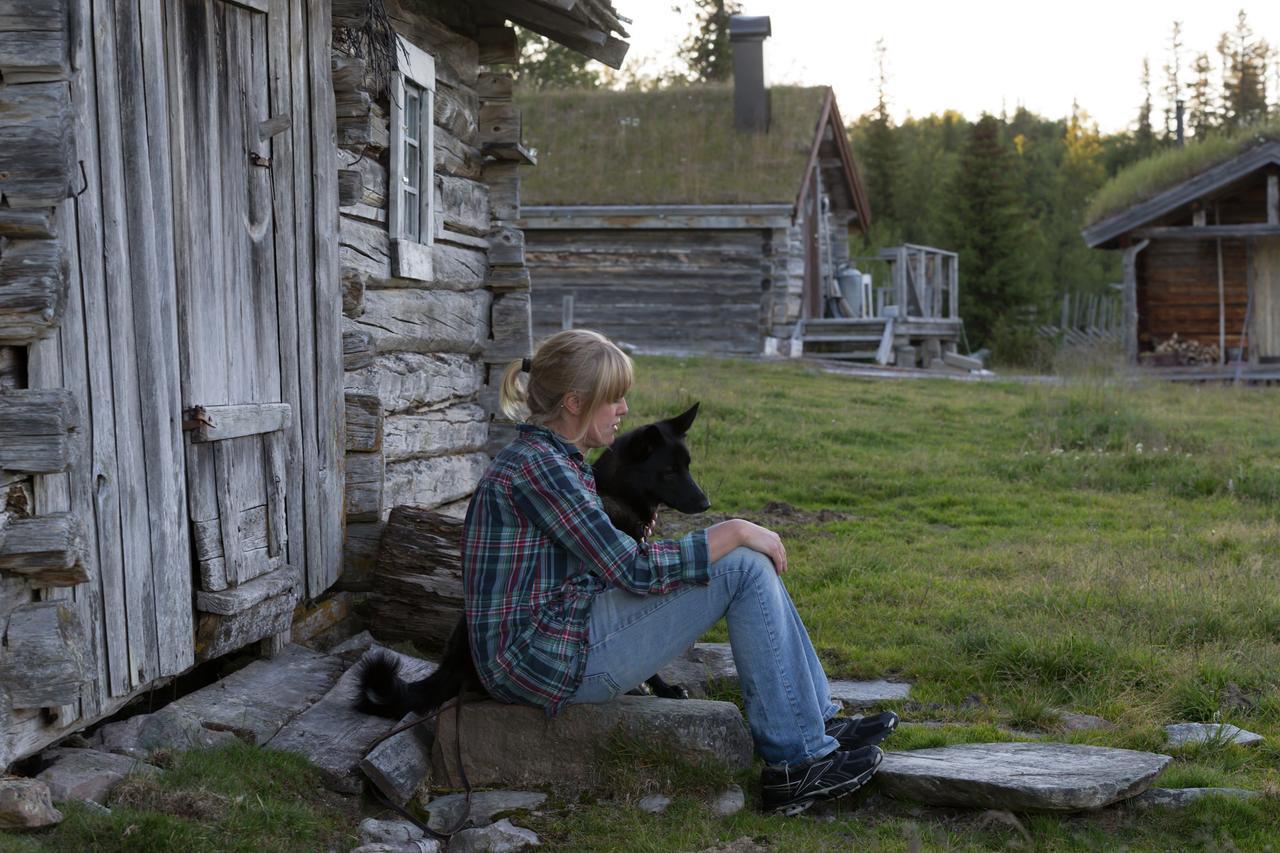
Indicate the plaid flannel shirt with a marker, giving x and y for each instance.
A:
(537, 547)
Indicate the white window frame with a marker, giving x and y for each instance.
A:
(411, 253)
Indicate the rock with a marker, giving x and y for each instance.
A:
(1185, 734)
(864, 694)
(728, 802)
(485, 807)
(501, 837)
(1020, 776)
(654, 803)
(88, 774)
(26, 804)
(518, 746)
(698, 667)
(334, 736)
(168, 728)
(374, 831)
(743, 844)
(358, 643)
(1072, 722)
(422, 845)
(399, 765)
(1176, 798)
(95, 808)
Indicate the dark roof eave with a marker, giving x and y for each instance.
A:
(830, 113)
(1104, 233)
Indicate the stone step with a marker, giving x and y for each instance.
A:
(1041, 776)
(1186, 734)
(253, 703)
(334, 735)
(698, 668)
(517, 746)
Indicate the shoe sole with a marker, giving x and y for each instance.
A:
(877, 739)
(834, 793)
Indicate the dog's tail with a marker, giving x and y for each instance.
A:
(384, 693)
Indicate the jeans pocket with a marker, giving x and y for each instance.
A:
(596, 688)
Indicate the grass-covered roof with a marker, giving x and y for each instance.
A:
(1152, 176)
(672, 146)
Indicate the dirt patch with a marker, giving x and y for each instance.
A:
(779, 516)
(145, 795)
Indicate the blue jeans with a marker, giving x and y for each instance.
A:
(783, 685)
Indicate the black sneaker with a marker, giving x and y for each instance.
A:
(791, 791)
(853, 732)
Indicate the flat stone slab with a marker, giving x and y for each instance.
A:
(171, 727)
(334, 735)
(486, 807)
(88, 774)
(1177, 798)
(864, 694)
(502, 836)
(1020, 776)
(1186, 734)
(706, 663)
(518, 746)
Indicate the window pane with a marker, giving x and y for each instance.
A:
(411, 172)
(411, 111)
(411, 216)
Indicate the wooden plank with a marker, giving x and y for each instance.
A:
(498, 45)
(216, 635)
(366, 474)
(1273, 199)
(106, 595)
(1131, 300)
(512, 324)
(43, 662)
(328, 326)
(284, 176)
(495, 87)
(506, 247)
(32, 224)
(1207, 232)
(228, 512)
(262, 305)
(30, 15)
(34, 56)
(499, 124)
(38, 430)
(458, 158)
(50, 550)
(364, 422)
(218, 423)
(357, 347)
(273, 446)
(464, 204)
(455, 110)
(242, 597)
(37, 151)
(33, 289)
(119, 253)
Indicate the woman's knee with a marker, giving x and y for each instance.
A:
(748, 564)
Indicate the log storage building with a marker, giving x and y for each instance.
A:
(257, 262)
(1202, 259)
(698, 219)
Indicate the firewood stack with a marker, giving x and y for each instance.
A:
(1189, 352)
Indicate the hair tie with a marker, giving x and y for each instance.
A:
(526, 364)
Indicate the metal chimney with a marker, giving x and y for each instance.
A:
(750, 90)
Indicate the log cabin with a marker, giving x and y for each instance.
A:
(1202, 258)
(690, 219)
(258, 267)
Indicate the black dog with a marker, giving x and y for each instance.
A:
(643, 469)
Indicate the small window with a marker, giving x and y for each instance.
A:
(411, 217)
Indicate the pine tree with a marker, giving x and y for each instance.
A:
(1173, 83)
(992, 233)
(1144, 136)
(1245, 58)
(880, 154)
(707, 51)
(1201, 114)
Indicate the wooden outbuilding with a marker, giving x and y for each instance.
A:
(258, 265)
(695, 219)
(1202, 262)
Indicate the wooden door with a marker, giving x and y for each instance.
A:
(1264, 334)
(234, 308)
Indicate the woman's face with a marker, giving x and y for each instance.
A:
(604, 425)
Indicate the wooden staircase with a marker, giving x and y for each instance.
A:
(844, 339)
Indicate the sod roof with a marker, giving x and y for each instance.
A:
(1148, 178)
(672, 146)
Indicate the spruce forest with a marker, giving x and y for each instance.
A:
(1009, 192)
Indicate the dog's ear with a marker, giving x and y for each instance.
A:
(642, 445)
(681, 423)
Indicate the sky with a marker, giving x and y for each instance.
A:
(972, 57)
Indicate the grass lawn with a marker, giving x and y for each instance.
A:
(1014, 550)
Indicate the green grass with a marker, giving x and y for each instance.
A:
(672, 146)
(1159, 172)
(1008, 548)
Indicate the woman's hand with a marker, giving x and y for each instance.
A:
(738, 532)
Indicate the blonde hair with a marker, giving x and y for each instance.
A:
(576, 360)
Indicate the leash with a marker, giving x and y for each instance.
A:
(463, 818)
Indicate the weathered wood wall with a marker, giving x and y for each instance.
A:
(419, 354)
(659, 290)
(1178, 291)
(127, 111)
